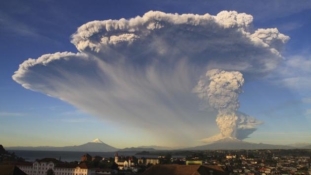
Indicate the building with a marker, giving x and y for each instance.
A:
(148, 161)
(41, 167)
(173, 169)
(25, 167)
(123, 162)
(194, 162)
(230, 156)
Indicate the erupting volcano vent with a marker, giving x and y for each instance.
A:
(220, 89)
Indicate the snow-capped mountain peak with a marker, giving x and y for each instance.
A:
(97, 141)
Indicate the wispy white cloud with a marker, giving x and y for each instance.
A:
(294, 73)
(73, 113)
(280, 137)
(289, 26)
(76, 120)
(11, 114)
(308, 112)
(17, 27)
(303, 134)
(306, 100)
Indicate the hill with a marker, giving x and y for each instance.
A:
(2, 150)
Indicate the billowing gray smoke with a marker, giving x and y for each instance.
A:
(220, 89)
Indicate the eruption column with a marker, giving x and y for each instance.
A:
(221, 90)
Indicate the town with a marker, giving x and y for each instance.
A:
(219, 162)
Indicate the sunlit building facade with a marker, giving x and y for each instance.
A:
(41, 167)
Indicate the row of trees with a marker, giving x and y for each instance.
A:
(7, 157)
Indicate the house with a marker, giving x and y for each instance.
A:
(173, 169)
(194, 162)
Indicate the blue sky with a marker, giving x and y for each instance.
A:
(280, 98)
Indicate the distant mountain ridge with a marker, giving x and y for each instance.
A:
(234, 144)
(146, 148)
(300, 145)
(94, 146)
(307, 147)
(226, 144)
(137, 149)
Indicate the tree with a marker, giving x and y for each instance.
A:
(114, 166)
(166, 159)
(50, 172)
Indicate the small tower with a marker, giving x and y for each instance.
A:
(309, 163)
(116, 157)
(130, 161)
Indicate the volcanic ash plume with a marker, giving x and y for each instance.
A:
(221, 89)
(139, 72)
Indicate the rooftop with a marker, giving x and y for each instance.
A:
(10, 170)
(184, 170)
